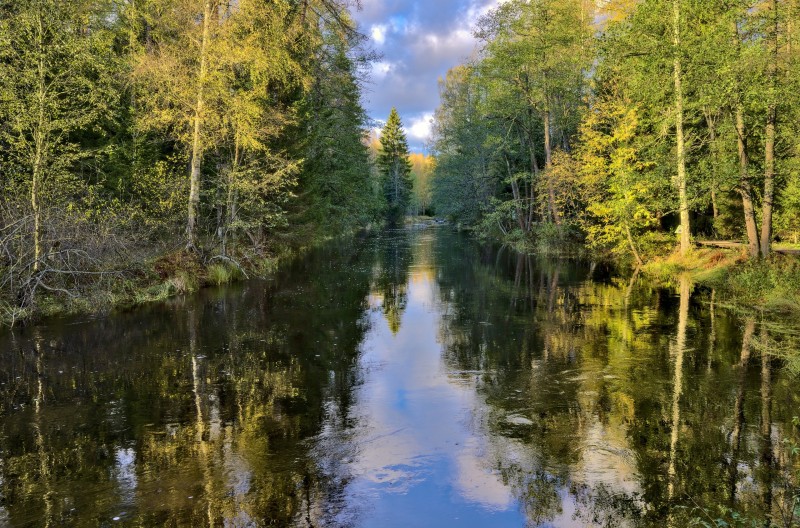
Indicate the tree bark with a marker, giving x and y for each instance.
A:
(516, 194)
(745, 189)
(712, 136)
(639, 262)
(679, 137)
(39, 146)
(197, 147)
(769, 183)
(769, 147)
(548, 164)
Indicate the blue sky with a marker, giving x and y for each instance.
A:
(419, 41)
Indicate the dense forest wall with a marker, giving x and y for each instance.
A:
(626, 126)
(203, 130)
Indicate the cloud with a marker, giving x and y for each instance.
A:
(419, 41)
(380, 70)
(378, 33)
(419, 128)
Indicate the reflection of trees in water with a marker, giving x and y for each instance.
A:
(392, 261)
(628, 401)
(196, 413)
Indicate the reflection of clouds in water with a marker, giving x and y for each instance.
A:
(416, 420)
(428, 440)
(476, 483)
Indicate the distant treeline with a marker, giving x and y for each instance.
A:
(131, 129)
(629, 125)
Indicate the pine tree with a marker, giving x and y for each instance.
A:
(395, 166)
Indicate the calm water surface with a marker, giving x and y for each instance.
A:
(410, 379)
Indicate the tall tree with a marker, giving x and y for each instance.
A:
(462, 186)
(395, 166)
(181, 71)
(680, 141)
(770, 132)
(56, 81)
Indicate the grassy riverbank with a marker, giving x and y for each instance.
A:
(771, 285)
(174, 274)
(150, 280)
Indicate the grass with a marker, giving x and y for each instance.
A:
(771, 285)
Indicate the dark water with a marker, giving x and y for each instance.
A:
(412, 379)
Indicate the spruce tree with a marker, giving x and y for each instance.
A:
(395, 167)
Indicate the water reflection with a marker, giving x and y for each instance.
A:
(412, 379)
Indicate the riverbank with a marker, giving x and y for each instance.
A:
(771, 285)
(139, 283)
(154, 279)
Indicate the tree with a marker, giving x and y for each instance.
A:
(181, 71)
(680, 141)
(336, 180)
(537, 54)
(56, 82)
(395, 166)
(462, 185)
(617, 192)
(421, 171)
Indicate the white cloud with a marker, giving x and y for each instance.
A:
(378, 32)
(418, 41)
(381, 69)
(419, 128)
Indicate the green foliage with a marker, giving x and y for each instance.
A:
(775, 286)
(105, 106)
(395, 167)
(219, 274)
(596, 80)
(336, 178)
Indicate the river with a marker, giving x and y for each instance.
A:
(415, 378)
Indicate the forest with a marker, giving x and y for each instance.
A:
(631, 128)
(577, 307)
(148, 147)
(144, 143)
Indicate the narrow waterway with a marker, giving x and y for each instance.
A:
(410, 379)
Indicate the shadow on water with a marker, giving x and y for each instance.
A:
(410, 379)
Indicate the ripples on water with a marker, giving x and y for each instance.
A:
(412, 379)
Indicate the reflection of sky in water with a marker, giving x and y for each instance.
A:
(419, 461)
(493, 393)
(423, 452)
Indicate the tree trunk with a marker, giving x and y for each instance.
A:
(39, 145)
(231, 200)
(534, 167)
(769, 148)
(712, 137)
(197, 147)
(639, 262)
(769, 184)
(37, 214)
(745, 188)
(680, 141)
(548, 162)
(515, 192)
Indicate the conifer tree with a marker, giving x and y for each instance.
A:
(395, 166)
